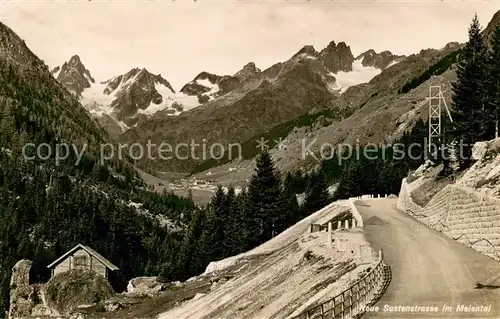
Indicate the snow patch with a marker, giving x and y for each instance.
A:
(306, 56)
(214, 87)
(392, 63)
(123, 126)
(94, 99)
(98, 103)
(56, 74)
(206, 83)
(279, 281)
(284, 238)
(359, 74)
(168, 98)
(88, 78)
(188, 102)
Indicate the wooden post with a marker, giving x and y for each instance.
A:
(342, 306)
(357, 297)
(339, 224)
(346, 224)
(350, 305)
(496, 129)
(329, 236)
(363, 296)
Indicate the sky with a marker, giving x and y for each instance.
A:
(179, 39)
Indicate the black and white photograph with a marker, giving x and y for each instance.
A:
(249, 159)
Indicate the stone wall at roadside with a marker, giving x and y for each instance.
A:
(462, 213)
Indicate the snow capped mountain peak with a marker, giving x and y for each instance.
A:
(123, 100)
(208, 86)
(382, 60)
(307, 52)
(136, 93)
(203, 83)
(136, 77)
(131, 97)
(206, 76)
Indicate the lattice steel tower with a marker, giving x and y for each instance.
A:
(436, 101)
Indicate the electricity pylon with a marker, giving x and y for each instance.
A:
(436, 100)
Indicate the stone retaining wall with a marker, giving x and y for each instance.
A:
(461, 213)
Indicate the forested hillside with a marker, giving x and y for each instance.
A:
(47, 207)
(475, 112)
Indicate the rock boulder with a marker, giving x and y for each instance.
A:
(20, 290)
(145, 286)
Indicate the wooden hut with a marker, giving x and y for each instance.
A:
(82, 257)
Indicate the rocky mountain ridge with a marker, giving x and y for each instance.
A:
(124, 100)
(378, 60)
(106, 200)
(252, 101)
(74, 76)
(375, 112)
(139, 92)
(309, 81)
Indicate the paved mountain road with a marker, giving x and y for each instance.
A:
(428, 268)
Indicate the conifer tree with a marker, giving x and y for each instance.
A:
(234, 226)
(469, 112)
(317, 195)
(294, 214)
(212, 237)
(299, 182)
(494, 79)
(266, 201)
(231, 223)
(242, 214)
(350, 183)
(192, 255)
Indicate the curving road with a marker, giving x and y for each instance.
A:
(428, 268)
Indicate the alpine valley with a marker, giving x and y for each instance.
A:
(163, 222)
(312, 87)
